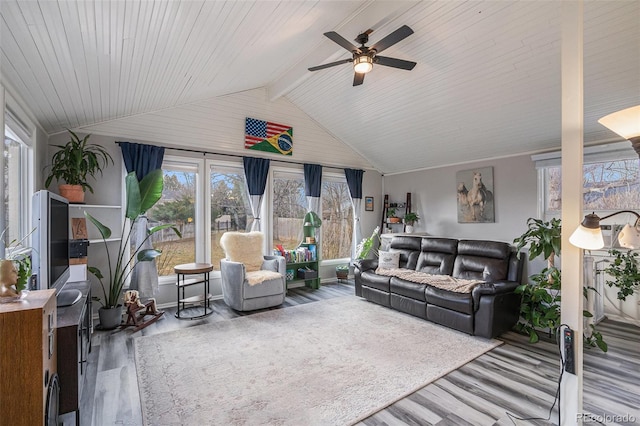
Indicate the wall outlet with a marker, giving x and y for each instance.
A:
(569, 351)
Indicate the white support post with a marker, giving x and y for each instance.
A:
(572, 146)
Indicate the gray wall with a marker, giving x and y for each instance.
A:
(434, 198)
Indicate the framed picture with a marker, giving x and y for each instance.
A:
(368, 204)
(475, 195)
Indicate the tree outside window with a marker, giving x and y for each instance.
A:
(337, 219)
(608, 185)
(289, 208)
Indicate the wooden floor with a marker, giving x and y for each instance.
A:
(516, 378)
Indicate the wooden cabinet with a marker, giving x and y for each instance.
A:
(28, 351)
(74, 328)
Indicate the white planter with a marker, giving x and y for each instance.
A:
(408, 229)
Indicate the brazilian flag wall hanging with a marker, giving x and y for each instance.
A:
(266, 136)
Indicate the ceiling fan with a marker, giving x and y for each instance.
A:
(364, 57)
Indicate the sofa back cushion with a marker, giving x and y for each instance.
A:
(437, 255)
(482, 260)
(409, 248)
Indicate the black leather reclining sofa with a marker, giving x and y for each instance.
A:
(491, 308)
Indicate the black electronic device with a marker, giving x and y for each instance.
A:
(50, 240)
(78, 248)
(569, 351)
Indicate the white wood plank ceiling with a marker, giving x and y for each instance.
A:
(487, 82)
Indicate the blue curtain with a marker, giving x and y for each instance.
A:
(354, 181)
(312, 180)
(312, 189)
(141, 158)
(256, 171)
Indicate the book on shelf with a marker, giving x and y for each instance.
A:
(298, 255)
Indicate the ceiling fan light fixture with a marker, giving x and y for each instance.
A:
(362, 64)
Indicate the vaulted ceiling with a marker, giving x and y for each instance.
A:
(487, 83)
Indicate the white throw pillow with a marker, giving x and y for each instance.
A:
(388, 259)
(244, 248)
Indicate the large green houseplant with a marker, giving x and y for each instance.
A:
(74, 163)
(540, 308)
(140, 197)
(624, 271)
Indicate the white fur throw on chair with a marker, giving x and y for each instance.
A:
(244, 247)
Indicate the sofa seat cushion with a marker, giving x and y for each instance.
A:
(379, 282)
(459, 302)
(269, 287)
(408, 288)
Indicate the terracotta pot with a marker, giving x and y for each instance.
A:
(73, 193)
(394, 220)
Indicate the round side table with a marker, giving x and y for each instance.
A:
(182, 282)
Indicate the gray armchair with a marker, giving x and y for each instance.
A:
(250, 280)
(242, 296)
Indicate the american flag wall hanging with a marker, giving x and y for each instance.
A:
(266, 136)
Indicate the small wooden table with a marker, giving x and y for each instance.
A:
(182, 282)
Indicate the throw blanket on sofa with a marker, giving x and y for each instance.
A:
(444, 282)
(258, 277)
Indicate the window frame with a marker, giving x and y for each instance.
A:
(341, 178)
(17, 129)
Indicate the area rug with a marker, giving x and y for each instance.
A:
(332, 362)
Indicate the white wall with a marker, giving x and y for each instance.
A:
(434, 198)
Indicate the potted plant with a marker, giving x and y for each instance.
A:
(73, 163)
(367, 245)
(540, 307)
(140, 197)
(409, 219)
(391, 216)
(342, 272)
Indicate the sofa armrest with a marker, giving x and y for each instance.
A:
(365, 264)
(496, 287)
(232, 276)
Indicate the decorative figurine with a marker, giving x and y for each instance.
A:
(8, 279)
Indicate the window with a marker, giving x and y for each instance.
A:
(289, 208)
(16, 190)
(230, 208)
(337, 218)
(177, 206)
(608, 185)
(611, 180)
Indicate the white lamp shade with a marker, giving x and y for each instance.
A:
(629, 237)
(587, 238)
(626, 122)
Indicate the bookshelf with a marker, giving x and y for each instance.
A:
(307, 258)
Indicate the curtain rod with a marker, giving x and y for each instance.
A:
(198, 151)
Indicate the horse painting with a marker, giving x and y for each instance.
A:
(478, 196)
(475, 204)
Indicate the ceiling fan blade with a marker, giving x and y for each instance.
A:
(396, 36)
(337, 38)
(330, 64)
(358, 78)
(395, 63)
